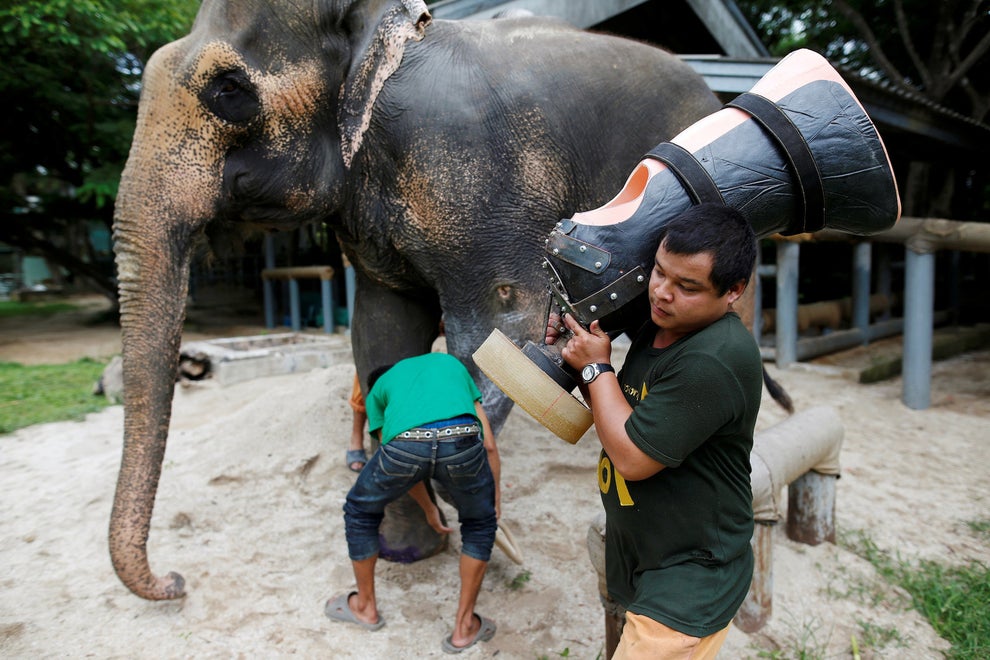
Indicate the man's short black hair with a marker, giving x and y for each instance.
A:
(717, 229)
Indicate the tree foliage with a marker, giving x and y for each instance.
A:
(938, 50)
(71, 80)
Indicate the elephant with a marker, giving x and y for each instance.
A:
(441, 153)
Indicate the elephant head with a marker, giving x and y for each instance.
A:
(441, 153)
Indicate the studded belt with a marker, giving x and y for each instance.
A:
(441, 432)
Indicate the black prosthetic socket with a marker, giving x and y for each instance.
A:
(811, 160)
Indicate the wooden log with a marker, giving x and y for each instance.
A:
(811, 508)
(808, 440)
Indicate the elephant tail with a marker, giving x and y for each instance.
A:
(777, 392)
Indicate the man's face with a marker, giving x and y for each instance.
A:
(682, 296)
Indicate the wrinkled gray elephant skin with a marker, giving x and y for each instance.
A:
(441, 153)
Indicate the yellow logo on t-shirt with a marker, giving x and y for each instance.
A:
(631, 391)
(606, 474)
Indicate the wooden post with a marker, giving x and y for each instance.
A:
(811, 508)
(615, 615)
(755, 611)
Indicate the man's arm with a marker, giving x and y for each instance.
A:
(419, 493)
(608, 404)
(494, 461)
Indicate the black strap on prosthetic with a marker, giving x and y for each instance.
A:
(787, 135)
(696, 180)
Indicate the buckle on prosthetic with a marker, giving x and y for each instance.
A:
(601, 303)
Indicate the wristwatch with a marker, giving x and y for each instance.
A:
(595, 369)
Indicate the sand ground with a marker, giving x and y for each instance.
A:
(249, 511)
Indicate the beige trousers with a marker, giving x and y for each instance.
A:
(643, 638)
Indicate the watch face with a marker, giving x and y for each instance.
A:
(588, 373)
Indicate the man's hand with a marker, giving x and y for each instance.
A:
(436, 521)
(430, 509)
(585, 346)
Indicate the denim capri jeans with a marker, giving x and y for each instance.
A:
(459, 464)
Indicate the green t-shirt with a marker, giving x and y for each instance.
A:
(678, 543)
(419, 390)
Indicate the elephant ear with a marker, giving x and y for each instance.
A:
(377, 43)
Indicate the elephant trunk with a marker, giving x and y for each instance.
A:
(153, 271)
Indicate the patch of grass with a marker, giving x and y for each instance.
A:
(48, 393)
(566, 653)
(873, 591)
(980, 527)
(953, 598)
(12, 308)
(877, 637)
(804, 642)
(519, 581)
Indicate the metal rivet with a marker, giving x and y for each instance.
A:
(583, 248)
(640, 278)
(593, 308)
(598, 264)
(614, 296)
(556, 251)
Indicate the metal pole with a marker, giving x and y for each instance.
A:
(861, 289)
(788, 257)
(885, 285)
(919, 300)
(327, 306)
(267, 284)
(757, 301)
(349, 286)
(294, 305)
(954, 285)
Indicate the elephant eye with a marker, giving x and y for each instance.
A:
(231, 97)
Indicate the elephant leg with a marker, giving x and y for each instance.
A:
(388, 327)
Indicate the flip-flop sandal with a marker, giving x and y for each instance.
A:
(338, 609)
(485, 633)
(356, 456)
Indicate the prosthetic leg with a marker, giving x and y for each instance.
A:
(796, 154)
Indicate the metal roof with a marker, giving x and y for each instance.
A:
(722, 18)
(581, 13)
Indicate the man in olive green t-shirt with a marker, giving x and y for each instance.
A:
(676, 429)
